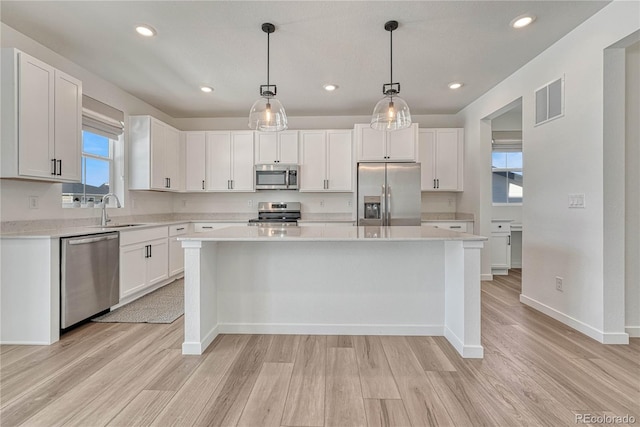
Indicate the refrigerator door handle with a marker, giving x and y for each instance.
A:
(388, 205)
(383, 208)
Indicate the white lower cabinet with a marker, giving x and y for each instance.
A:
(144, 259)
(500, 247)
(176, 253)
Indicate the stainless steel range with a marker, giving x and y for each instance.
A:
(277, 214)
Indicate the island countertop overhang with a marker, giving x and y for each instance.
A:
(332, 234)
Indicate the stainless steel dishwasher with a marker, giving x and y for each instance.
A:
(89, 276)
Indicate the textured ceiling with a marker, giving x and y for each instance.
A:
(221, 44)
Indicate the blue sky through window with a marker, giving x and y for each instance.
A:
(97, 170)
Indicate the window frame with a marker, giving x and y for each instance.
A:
(83, 156)
(506, 150)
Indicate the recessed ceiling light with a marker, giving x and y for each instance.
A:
(330, 87)
(206, 89)
(455, 85)
(145, 30)
(522, 21)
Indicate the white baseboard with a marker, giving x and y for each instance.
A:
(633, 331)
(466, 351)
(603, 337)
(488, 277)
(25, 343)
(198, 348)
(329, 329)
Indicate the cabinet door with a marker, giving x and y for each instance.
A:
(339, 164)
(371, 144)
(36, 118)
(68, 126)
(401, 144)
(242, 161)
(500, 251)
(266, 147)
(446, 159)
(133, 269)
(158, 261)
(313, 162)
(426, 149)
(176, 256)
(158, 156)
(288, 147)
(195, 161)
(172, 158)
(218, 161)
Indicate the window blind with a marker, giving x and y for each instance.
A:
(506, 141)
(102, 119)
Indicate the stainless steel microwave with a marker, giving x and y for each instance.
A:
(276, 177)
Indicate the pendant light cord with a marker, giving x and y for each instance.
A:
(391, 55)
(268, 35)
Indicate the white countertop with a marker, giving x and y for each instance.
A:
(329, 234)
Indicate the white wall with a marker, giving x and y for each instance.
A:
(560, 157)
(14, 193)
(632, 205)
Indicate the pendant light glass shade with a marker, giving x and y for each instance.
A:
(391, 112)
(267, 115)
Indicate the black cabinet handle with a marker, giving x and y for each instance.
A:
(59, 167)
(438, 183)
(54, 166)
(509, 240)
(434, 183)
(203, 184)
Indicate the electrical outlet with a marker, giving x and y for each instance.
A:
(322, 203)
(184, 203)
(33, 202)
(350, 203)
(250, 203)
(559, 283)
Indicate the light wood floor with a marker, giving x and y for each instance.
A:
(536, 371)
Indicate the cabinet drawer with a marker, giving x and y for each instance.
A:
(130, 237)
(178, 229)
(454, 226)
(203, 227)
(501, 227)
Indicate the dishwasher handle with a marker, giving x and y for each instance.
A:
(92, 239)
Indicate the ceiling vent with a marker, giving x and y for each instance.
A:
(550, 101)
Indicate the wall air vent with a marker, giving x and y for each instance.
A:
(550, 101)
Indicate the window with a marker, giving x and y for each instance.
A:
(97, 170)
(506, 168)
(102, 129)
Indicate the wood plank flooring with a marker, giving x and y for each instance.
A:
(536, 372)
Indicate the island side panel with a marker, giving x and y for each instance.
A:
(462, 297)
(30, 291)
(319, 287)
(200, 296)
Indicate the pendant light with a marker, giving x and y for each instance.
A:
(267, 113)
(391, 112)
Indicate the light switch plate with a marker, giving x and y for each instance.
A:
(576, 200)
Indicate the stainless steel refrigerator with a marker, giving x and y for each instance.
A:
(388, 194)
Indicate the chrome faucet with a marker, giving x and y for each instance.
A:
(105, 219)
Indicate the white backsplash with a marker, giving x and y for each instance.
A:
(439, 202)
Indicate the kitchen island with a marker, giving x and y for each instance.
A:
(333, 281)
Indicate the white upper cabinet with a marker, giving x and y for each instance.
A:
(276, 147)
(154, 162)
(441, 156)
(326, 160)
(229, 161)
(41, 120)
(377, 146)
(195, 161)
